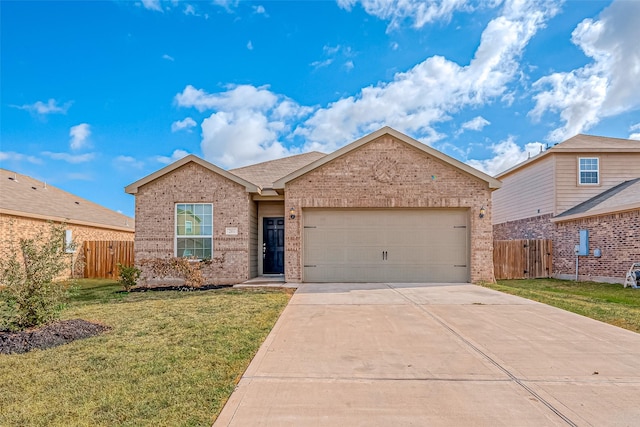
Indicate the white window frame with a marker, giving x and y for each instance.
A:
(177, 237)
(580, 170)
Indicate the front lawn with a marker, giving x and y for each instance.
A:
(170, 359)
(610, 303)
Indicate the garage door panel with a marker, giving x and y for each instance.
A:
(401, 245)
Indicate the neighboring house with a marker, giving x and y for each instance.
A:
(584, 183)
(27, 206)
(385, 208)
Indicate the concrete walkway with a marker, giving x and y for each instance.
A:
(436, 355)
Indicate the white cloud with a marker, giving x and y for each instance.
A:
(506, 155)
(236, 97)
(349, 65)
(322, 64)
(249, 45)
(7, 156)
(436, 88)
(419, 11)
(477, 124)
(168, 57)
(128, 162)
(608, 85)
(246, 125)
(79, 136)
(39, 107)
(632, 129)
(175, 156)
(70, 158)
(259, 10)
(190, 10)
(187, 124)
(152, 5)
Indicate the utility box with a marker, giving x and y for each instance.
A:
(583, 246)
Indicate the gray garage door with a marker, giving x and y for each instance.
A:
(386, 245)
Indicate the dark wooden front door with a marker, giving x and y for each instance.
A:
(273, 246)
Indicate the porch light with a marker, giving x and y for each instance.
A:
(292, 213)
(482, 212)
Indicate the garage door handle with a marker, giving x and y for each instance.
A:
(384, 255)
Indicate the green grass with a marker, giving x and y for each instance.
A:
(610, 303)
(170, 359)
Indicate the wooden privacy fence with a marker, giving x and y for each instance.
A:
(101, 258)
(522, 259)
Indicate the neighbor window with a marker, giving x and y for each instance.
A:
(588, 172)
(194, 230)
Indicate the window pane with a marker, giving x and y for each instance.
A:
(194, 219)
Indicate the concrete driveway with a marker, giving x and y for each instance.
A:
(436, 355)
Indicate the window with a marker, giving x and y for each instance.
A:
(194, 230)
(588, 171)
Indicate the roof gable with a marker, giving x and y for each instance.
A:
(581, 144)
(492, 182)
(21, 195)
(133, 188)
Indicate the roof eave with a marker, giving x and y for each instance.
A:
(598, 212)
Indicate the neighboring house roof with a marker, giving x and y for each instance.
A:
(133, 188)
(581, 144)
(493, 183)
(623, 197)
(21, 195)
(266, 173)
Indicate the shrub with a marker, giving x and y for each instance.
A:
(183, 268)
(129, 275)
(30, 292)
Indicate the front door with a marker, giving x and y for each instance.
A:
(273, 246)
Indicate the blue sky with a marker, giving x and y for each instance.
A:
(98, 94)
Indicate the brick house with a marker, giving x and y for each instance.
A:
(584, 183)
(383, 208)
(28, 205)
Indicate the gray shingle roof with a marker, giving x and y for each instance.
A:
(266, 173)
(624, 194)
(26, 196)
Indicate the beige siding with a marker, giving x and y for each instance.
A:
(525, 194)
(614, 169)
(266, 210)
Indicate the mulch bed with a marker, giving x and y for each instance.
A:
(52, 335)
(183, 288)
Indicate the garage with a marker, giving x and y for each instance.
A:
(386, 245)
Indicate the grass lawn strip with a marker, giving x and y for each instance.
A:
(609, 303)
(171, 359)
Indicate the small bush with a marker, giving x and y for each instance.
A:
(30, 292)
(129, 275)
(184, 268)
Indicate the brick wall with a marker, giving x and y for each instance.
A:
(387, 173)
(536, 227)
(192, 183)
(616, 235)
(14, 228)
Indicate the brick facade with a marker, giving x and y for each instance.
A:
(616, 235)
(193, 183)
(13, 228)
(387, 173)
